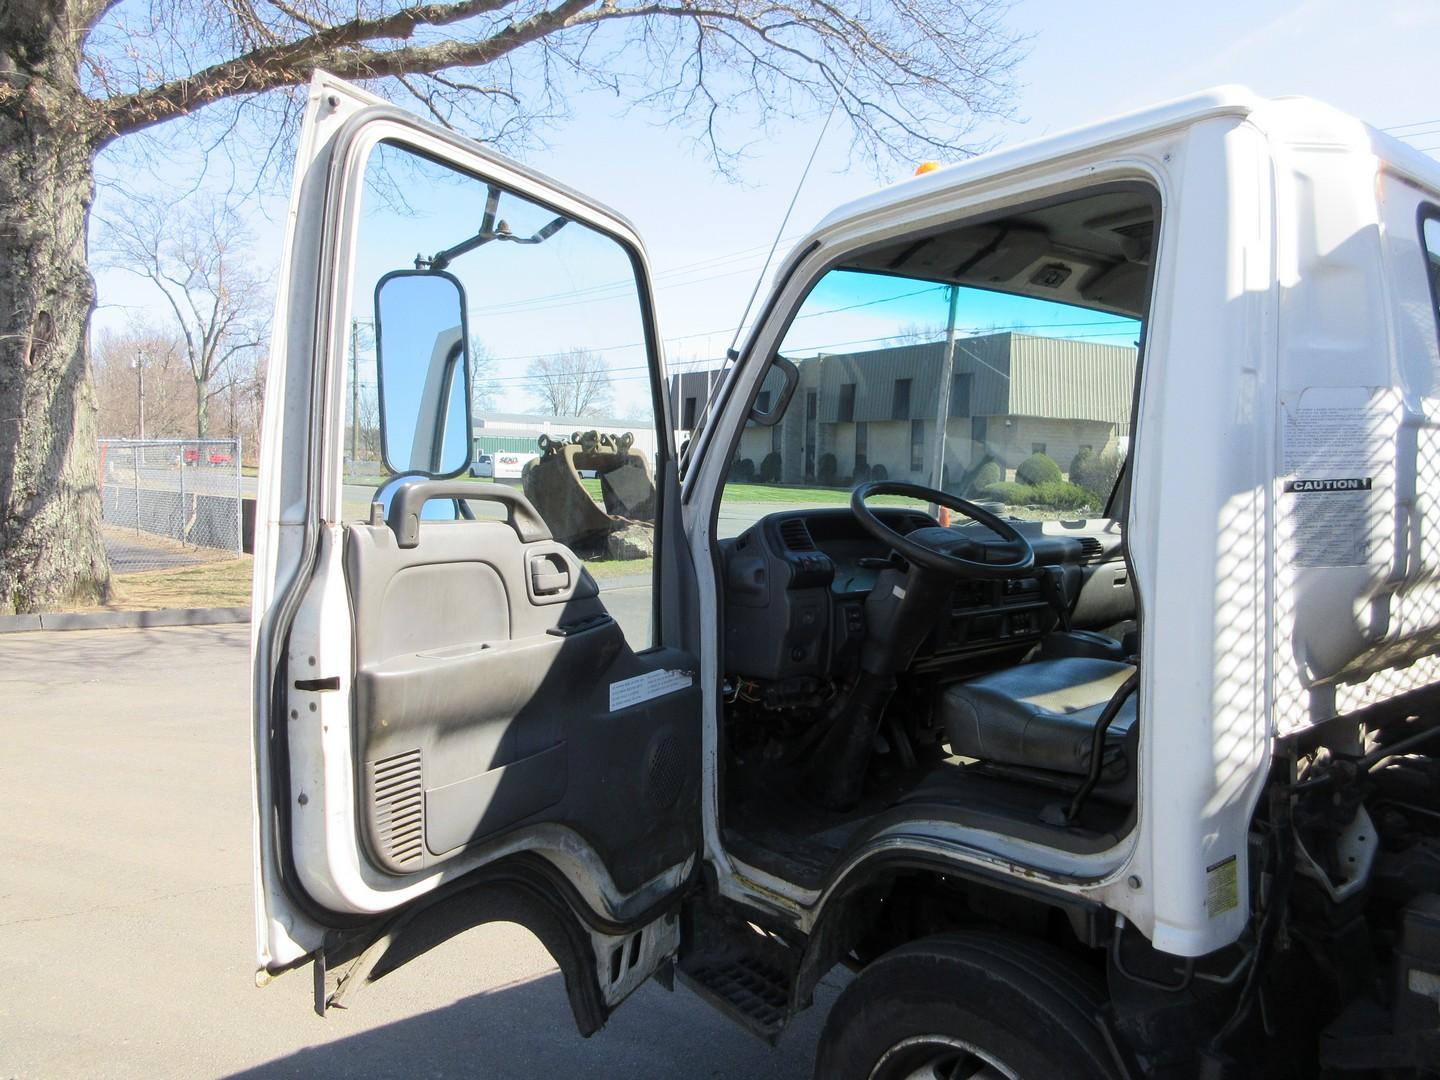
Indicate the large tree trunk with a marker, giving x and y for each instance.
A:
(50, 545)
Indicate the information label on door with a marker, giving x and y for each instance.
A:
(653, 684)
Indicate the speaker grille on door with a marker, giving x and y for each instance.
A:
(665, 772)
(397, 792)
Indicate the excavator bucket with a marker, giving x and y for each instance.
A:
(623, 528)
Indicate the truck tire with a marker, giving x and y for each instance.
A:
(973, 1004)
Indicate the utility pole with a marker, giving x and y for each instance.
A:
(947, 378)
(140, 393)
(354, 390)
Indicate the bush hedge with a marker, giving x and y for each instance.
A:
(743, 471)
(988, 473)
(879, 472)
(1038, 469)
(770, 468)
(1096, 472)
(827, 469)
(1053, 495)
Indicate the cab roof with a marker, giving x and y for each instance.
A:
(1286, 119)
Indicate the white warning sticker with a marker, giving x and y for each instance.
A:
(1335, 445)
(1222, 887)
(1327, 520)
(653, 684)
(1329, 440)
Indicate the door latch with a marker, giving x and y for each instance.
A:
(546, 579)
(316, 685)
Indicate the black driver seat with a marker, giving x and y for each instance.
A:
(1042, 715)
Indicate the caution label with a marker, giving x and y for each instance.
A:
(1359, 483)
(1337, 443)
(1328, 521)
(1222, 887)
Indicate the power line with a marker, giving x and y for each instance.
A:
(1119, 326)
(644, 369)
(662, 280)
(1412, 124)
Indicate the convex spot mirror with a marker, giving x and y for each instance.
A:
(775, 389)
(423, 358)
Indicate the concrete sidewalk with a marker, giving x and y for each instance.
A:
(125, 907)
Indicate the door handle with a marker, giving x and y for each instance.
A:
(546, 579)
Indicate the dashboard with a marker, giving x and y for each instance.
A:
(796, 584)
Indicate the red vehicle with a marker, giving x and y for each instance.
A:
(219, 457)
(190, 455)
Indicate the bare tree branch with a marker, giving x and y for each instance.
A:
(572, 383)
(195, 258)
(914, 75)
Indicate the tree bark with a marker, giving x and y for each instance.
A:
(51, 549)
(202, 408)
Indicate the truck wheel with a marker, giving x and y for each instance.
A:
(968, 1005)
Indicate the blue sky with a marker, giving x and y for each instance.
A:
(707, 237)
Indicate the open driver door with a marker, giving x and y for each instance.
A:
(455, 720)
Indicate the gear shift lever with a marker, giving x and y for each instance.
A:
(1052, 587)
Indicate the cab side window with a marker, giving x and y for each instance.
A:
(561, 402)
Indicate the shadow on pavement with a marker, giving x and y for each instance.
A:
(524, 1029)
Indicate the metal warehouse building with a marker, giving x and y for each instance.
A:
(520, 432)
(1011, 395)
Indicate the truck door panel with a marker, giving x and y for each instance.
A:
(473, 695)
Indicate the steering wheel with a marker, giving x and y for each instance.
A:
(940, 549)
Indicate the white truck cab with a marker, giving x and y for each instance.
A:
(1043, 619)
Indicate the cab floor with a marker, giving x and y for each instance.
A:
(771, 825)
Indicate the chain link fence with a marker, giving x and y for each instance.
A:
(169, 502)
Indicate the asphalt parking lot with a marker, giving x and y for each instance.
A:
(125, 907)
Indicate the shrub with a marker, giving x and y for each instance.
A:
(987, 474)
(1096, 472)
(743, 471)
(770, 468)
(1038, 469)
(1008, 492)
(879, 472)
(1052, 495)
(861, 474)
(1059, 495)
(826, 471)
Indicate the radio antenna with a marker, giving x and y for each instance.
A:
(730, 353)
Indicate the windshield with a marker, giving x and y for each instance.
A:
(1012, 399)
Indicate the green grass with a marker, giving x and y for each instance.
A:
(800, 496)
(601, 569)
(221, 583)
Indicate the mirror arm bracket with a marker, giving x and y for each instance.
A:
(441, 259)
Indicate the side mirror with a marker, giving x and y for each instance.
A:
(775, 389)
(423, 362)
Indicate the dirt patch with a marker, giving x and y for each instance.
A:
(210, 584)
(133, 551)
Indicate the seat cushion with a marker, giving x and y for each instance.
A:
(1041, 715)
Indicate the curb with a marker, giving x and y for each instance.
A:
(121, 620)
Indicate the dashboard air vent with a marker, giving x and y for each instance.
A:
(795, 535)
(1091, 551)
